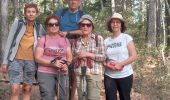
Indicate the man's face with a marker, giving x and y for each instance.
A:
(73, 4)
(30, 14)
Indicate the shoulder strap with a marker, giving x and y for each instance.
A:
(96, 39)
(20, 24)
(37, 27)
(81, 13)
(63, 11)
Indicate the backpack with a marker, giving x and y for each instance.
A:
(66, 9)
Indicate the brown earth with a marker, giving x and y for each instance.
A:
(5, 93)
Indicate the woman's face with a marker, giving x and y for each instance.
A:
(53, 26)
(116, 25)
(31, 14)
(86, 27)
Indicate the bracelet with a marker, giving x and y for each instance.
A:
(53, 61)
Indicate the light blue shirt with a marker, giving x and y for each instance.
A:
(69, 20)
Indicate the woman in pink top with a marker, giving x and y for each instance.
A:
(51, 53)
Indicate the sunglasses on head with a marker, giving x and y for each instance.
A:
(53, 24)
(85, 24)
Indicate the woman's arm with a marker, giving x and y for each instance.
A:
(132, 56)
(69, 55)
(39, 57)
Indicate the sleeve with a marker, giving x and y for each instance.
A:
(41, 42)
(128, 38)
(100, 56)
(9, 41)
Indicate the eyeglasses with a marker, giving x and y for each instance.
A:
(85, 24)
(53, 24)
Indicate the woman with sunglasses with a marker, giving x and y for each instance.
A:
(52, 52)
(120, 53)
(88, 60)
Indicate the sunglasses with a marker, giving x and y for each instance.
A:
(53, 24)
(85, 24)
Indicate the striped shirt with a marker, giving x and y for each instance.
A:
(91, 47)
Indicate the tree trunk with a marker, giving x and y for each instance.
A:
(102, 5)
(16, 8)
(4, 25)
(167, 20)
(119, 5)
(158, 23)
(128, 5)
(0, 34)
(151, 24)
(113, 6)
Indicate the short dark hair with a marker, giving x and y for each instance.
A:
(51, 17)
(30, 5)
(109, 28)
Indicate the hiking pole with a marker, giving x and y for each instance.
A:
(84, 84)
(59, 77)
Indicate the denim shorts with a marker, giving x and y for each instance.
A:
(21, 71)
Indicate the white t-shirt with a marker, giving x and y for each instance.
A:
(116, 49)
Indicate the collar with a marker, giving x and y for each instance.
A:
(73, 11)
(25, 21)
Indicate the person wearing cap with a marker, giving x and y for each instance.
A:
(69, 18)
(88, 59)
(120, 53)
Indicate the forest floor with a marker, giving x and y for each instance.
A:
(151, 82)
(5, 93)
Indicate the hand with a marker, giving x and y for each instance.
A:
(118, 66)
(80, 32)
(64, 67)
(61, 65)
(63, 33)
(83, 54)
(110, 66)
(4, 70)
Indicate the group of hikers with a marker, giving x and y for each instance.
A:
(67, 56)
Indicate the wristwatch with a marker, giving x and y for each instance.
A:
(53, 61)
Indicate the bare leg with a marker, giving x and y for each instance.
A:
(26, 91)
(15, 91)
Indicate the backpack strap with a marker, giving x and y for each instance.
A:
(20, 24)
(63, 11)
(81, 13)
(37, 28)
(96, 39)
(66, 9)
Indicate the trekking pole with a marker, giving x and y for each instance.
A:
(59, 85)
(84, 84)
